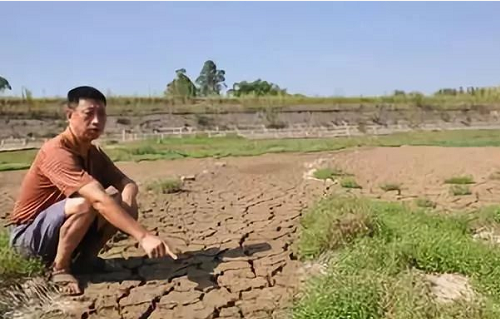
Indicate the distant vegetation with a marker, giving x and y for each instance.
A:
(4, 84)
(206, 94)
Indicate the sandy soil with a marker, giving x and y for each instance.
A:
(235, 225)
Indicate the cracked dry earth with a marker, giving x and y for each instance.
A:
(234, 226)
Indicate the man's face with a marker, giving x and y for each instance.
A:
(88, 119)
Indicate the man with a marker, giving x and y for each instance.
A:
(64, 214)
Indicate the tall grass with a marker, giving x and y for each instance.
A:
(120, 105)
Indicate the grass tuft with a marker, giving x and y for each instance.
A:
(460, 190)
(329, 173)
(165, 186)
(460, 180)
(349, 182)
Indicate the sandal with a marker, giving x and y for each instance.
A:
(68, 285)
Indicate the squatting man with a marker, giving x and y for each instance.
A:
(66, 210)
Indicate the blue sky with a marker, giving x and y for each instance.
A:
(316, 48)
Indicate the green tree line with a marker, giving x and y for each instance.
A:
(211, 82)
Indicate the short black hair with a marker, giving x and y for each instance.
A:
(84, 92)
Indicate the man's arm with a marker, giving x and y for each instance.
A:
(118, 217)
(125, 185)
(129, 191)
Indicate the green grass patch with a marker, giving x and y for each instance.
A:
(460, 180)
(349, 182)
(329, 173)
(378, 270)
(13, 166)
(165, 186)
(460, 190)
(12, 265)
(200, 147)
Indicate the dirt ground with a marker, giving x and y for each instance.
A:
(236, 223)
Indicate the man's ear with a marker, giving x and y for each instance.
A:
(68, 111)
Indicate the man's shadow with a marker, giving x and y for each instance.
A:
(200, 267)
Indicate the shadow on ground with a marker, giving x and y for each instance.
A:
(200, 266)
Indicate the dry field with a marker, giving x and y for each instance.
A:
(235, 224)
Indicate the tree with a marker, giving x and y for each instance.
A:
(182, 86)
(211, 80)
(257, 88)
(4, 84)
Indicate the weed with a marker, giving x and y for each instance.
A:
(331, 223)
(13, 265)
(165, 186)
(460, 180)
(328, 173)
(349, 183)
(460, 190)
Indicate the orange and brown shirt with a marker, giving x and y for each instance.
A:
(60, 168)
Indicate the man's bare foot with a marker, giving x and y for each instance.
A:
(67, 283)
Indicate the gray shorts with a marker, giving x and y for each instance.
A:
(41, 237)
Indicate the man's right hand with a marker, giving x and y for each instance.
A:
(118, 217)
(155, 247)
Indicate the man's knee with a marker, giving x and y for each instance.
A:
(77, 206)
(115, 194)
